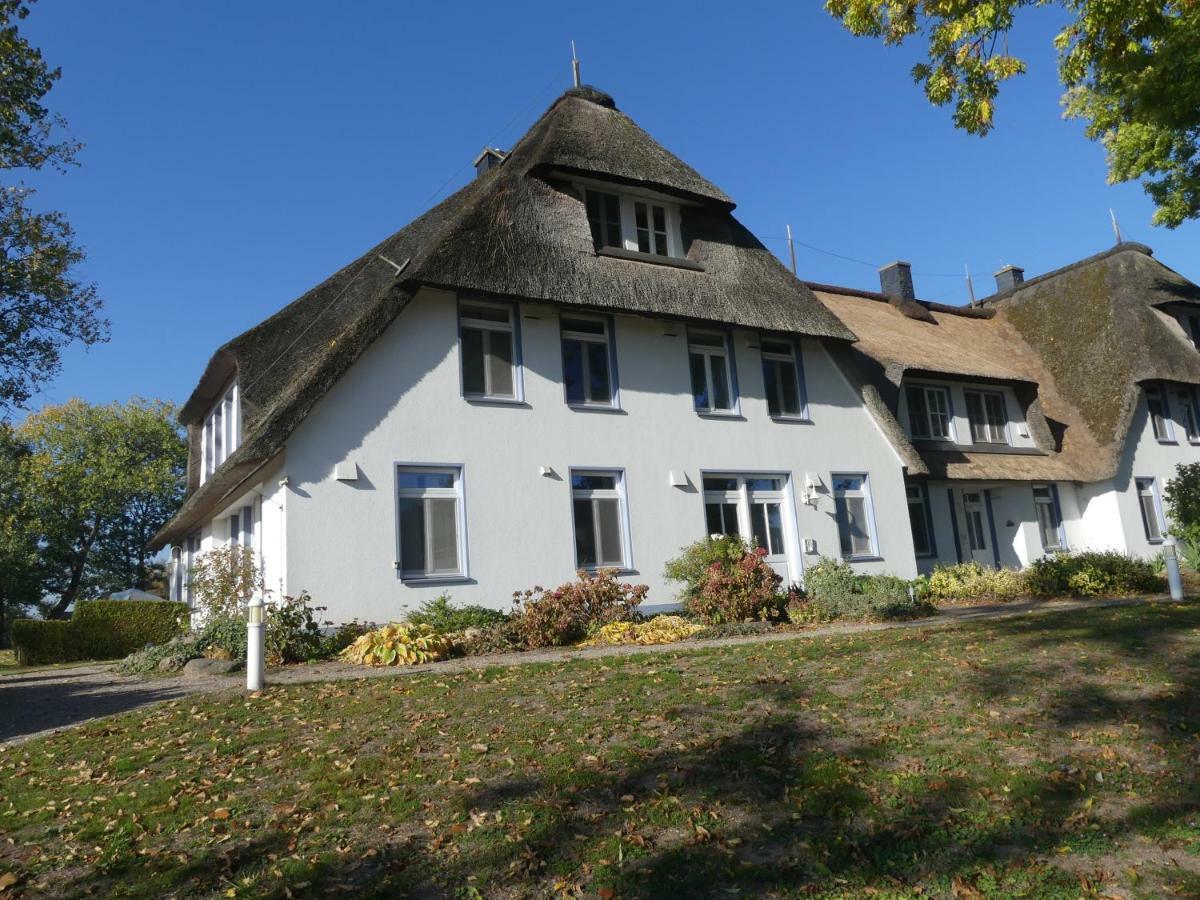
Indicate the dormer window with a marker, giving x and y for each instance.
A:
(929, 412)
(988, 417)
(633, 222)
(222, 432)
(1191, 325)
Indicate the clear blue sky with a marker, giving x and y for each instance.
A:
(238, 153)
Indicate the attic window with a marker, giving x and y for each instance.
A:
(222, 432)
(1191, 324)
(634, 223)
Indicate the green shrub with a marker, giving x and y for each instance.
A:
(293, 633)
(694, 561)
(1182, 499)
(726, 580)
(223, 638)
(833, 590)
(178, 651)
(442, 616)
(571, 611)
(98, 629)
(223, 580)
(1092, 574)
(343, 636)
(972, 581)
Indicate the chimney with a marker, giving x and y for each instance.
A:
(895, 280)
(1008, 278)
(488, 158)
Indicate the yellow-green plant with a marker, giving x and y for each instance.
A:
(971, 581)
(399, 644)
(659, 630)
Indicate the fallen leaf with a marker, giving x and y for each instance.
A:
(220, 813)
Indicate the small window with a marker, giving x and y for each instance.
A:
(1188, 415)
(783, 380)
(587, 362)
(429, 503)
(221, 432)
(489, 368)
(712, 376)
(651, 224)
(1156, 404)
(1045, 502)
(973, 510)
(852, 507)
(604, 217)
(1191, 325)
(987, 415)
(1152, 519)
(597, 500)
(920, 520)
(928, 412)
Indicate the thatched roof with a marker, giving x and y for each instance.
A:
(1074, 344)
(518, 230)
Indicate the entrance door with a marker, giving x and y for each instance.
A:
(978, 534)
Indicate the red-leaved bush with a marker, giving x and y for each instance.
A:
(737, 591)
(568, 613)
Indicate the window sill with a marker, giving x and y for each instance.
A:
(422, 580)
(729, 416)
(594, 408)
(1168, 442)
(860, 559)
(497, 401)
(792, 420)
(634, 256)
(622, 572)
(1155, 541)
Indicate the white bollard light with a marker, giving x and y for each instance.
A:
(1171, 558)
(254, 644)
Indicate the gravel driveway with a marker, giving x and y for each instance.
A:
(42, 701)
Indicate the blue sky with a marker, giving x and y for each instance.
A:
(238, 153)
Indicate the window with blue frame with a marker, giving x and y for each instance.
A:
(711, 372)
(587, 362)
(920, 520)
(783, 379)
(1049, 518)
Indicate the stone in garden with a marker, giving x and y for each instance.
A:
(206, 668)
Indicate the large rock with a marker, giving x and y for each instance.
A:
(207, 668)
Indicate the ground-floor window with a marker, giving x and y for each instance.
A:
(598, 507)
(921, 520)
(855, 517)
(1152, 517)
(1049, 518)
(429, 507)
(747, 505)
(974, 510)
(191, 550)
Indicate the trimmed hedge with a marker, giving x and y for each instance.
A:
(98, 629)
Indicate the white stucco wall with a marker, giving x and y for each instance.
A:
(401, 403)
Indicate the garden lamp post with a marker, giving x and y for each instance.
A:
(254, 644)
(1171, 558)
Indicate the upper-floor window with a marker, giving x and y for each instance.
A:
(783, 379)
(632, 222)
(988, 417)
(222, 432)
(928, 412)
(1187, 414)
(711, 371)
(855, 518)
(488, 350)
(587, 356)
(1160, 414)
(1191, 325)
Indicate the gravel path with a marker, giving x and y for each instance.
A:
(41, 702)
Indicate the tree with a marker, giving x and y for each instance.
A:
(43, 305)
(20, 585)
(1131, 70)
(98, 482)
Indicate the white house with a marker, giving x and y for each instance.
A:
(580, 360)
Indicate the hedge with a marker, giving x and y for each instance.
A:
(98, 629)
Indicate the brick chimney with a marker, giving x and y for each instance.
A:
(895, 280)
(1008, 278)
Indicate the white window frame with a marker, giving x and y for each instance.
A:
(927, 389)
(227, 411)
(618, 493)
(725, 351)
(744, 497)
(869, 508)
(513, 329)
(629, 238)
(1190, 416)
(607, 340)
(1148, 487)
(456, 492)
(1047, 495)
(771, 357)
(1167, 435)
(993, 437)
(191, 551)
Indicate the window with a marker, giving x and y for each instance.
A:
(587, 362)
(852, 508)
(973, 510)
(920, 520)
(651, 222)
(190, 552)
(1152, 520)
(604, 216)
(429, 505)
(488, 343)
(221, 433)
(597, 504)
(1187, 414)
(1191, 325)
(783, 380)
(988, 418)
(1156, 404)
(928, 412)
(712, 378)
(241, 528)
(1045, 504)
(747, 505)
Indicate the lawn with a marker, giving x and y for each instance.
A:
(1053, 755)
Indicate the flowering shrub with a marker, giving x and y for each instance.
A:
(658, 630)
(399, 645)
(565, 615)
(737, 590)
(694, 560)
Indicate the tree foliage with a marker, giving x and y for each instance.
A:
(96, 482)
(1131, 70)
(44, 306)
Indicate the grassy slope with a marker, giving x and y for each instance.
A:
(1050, 755)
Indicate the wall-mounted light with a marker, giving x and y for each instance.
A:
(546, 471)
(677, 478)
(812, 487)
(345, 471)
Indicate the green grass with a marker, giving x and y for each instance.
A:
(1043, 756)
